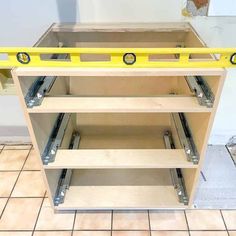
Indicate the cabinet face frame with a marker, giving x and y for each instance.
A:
(50, 38)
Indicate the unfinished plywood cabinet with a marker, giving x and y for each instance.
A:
(113, 138)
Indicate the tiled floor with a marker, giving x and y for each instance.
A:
(25, 210)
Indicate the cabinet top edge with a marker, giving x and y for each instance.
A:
(120, 27)
(33, 71)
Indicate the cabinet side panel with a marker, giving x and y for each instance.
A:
(53, 177)
(208, 128)
(31, 131)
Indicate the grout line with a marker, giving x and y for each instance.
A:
(185, 215)
(73, 226)
(15, 230)
(30, 231)
(18, 170)
(36, 221)
(149, 222)
(77, 230)
(107, 230)
(207, 230)
(8, 199)
(157, 230)
(111, 221)
(27, 158)
(103, 230)
(136, 230)
(224, 222)
(25, 197)
(16, 149)
(51, 230)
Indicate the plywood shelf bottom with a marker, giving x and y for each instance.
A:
(110, 189)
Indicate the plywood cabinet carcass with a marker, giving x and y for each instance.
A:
(120, 138)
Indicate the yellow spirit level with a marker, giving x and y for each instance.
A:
(119, 57)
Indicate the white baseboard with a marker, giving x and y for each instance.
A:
(15, 140)
(14, 134)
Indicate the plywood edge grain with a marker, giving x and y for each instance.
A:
(122, 27)
(119, 104)
(120, 158)
(52, 71)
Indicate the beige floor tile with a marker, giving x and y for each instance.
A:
(230, 219)
(12, 159)
(27, 233)
(130, 233)
(127, 220)
(3, 202)
(20, 214)
(232, 233)
(48, 220)
(52, 233)
(91, 233)
(32, 162)
(7, 181)
(17, 147)
(29, 184)
(208, 233)
(168, 220)
(93, 220)
(205, 220)
(170, 233)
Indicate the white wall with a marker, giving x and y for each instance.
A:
(220, 32)
(23, 22)
(222, 8)
(13, 127)
(130, 11)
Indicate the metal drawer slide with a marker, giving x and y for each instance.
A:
(41, 86)
(55, 139)
(176, 174)
(202, 90)
(65, 178)
(185, 137)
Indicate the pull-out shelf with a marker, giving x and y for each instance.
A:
(120, 188)
(119, 94)
(120, 141)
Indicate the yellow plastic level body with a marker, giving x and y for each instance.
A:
(119, 57)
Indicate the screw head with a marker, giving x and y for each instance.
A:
(39, 95)
(53, 152)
